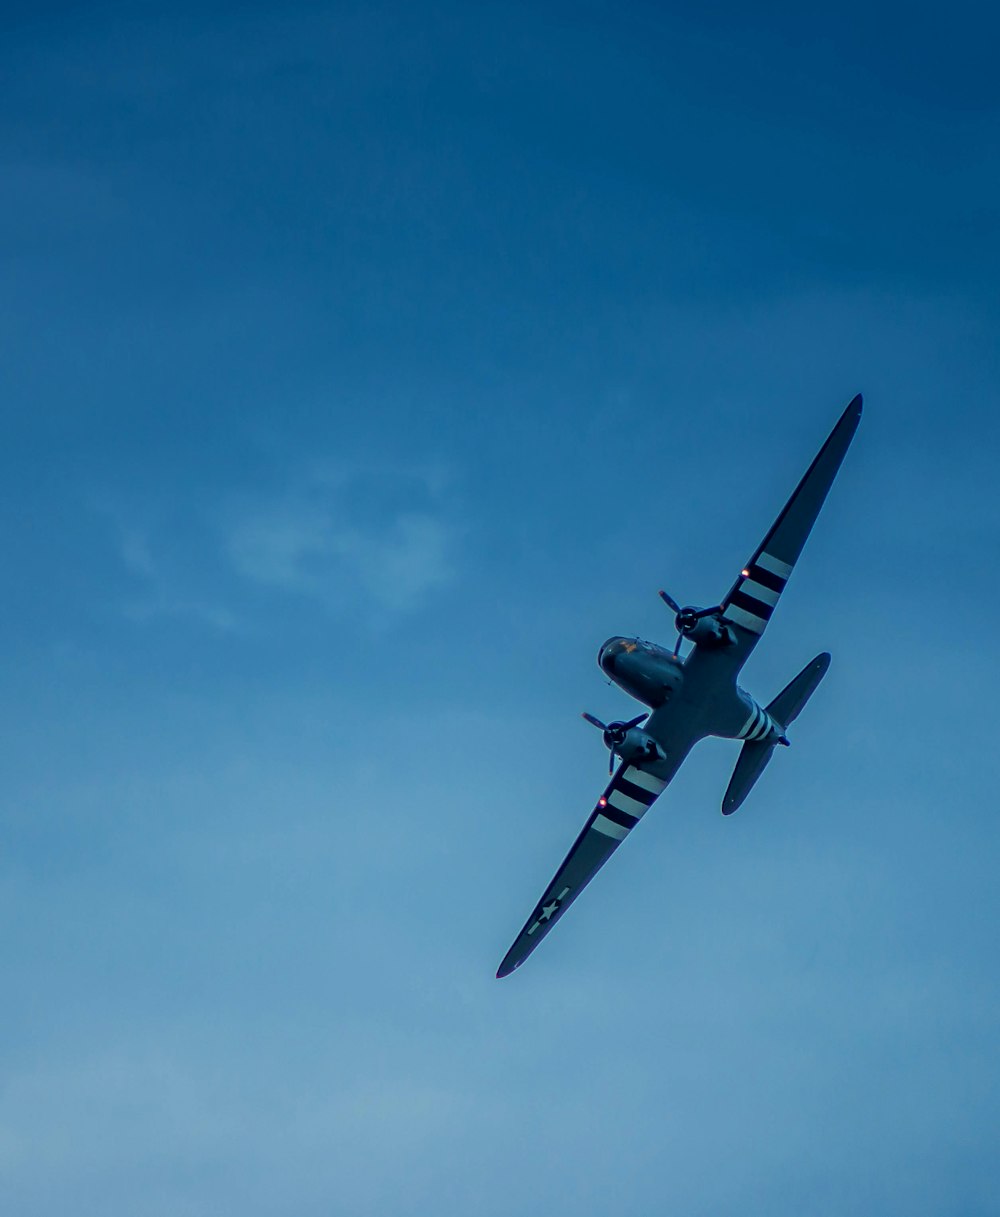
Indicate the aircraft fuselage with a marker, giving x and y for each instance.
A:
(698, 694)
(646, 671)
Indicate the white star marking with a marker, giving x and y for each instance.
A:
(548, 911)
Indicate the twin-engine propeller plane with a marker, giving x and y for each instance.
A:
(696, 695)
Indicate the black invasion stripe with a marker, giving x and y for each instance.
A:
(761, 729)
(766, 579)
(639, 793)
(751, 604)
(766, 728)
(622, 818)
(754, 725)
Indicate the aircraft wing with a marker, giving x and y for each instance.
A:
(629, 795)
(755, 593)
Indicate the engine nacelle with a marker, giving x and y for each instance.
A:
(710, 632)
(639, 746)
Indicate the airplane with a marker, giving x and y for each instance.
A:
(695, 696)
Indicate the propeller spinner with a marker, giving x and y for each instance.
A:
(615, 733)
(686, 619)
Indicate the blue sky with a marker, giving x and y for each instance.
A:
(364, 368)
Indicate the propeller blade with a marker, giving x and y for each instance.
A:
(634, 722)
(595, 721)
(669, 601)
(611, 761)
(677, 645)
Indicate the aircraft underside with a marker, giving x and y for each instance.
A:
(695, 696)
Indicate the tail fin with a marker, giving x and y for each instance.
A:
(785, 708)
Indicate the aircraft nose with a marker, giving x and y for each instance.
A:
(606, 655)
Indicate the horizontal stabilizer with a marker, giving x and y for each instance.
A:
(788, 704)
(753, 758)
(785, 708)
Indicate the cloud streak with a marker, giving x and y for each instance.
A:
(304, 550)
(377, 540)
(382, 536)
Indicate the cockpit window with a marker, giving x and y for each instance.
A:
(618, 646)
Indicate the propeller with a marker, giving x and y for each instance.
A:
(615, 733)
(685, 619)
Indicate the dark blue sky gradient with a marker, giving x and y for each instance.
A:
(364, 368)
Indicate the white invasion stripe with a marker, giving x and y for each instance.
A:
(622, 802)
(763, 729)
(749, 621)
(759, 592)
(751, 723)
(774, 565)
(639, 777)
(610, 828)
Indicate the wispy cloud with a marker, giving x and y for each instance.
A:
(300, 549)
(373, 538)
(217, 616)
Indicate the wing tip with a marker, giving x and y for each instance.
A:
(513, 959)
